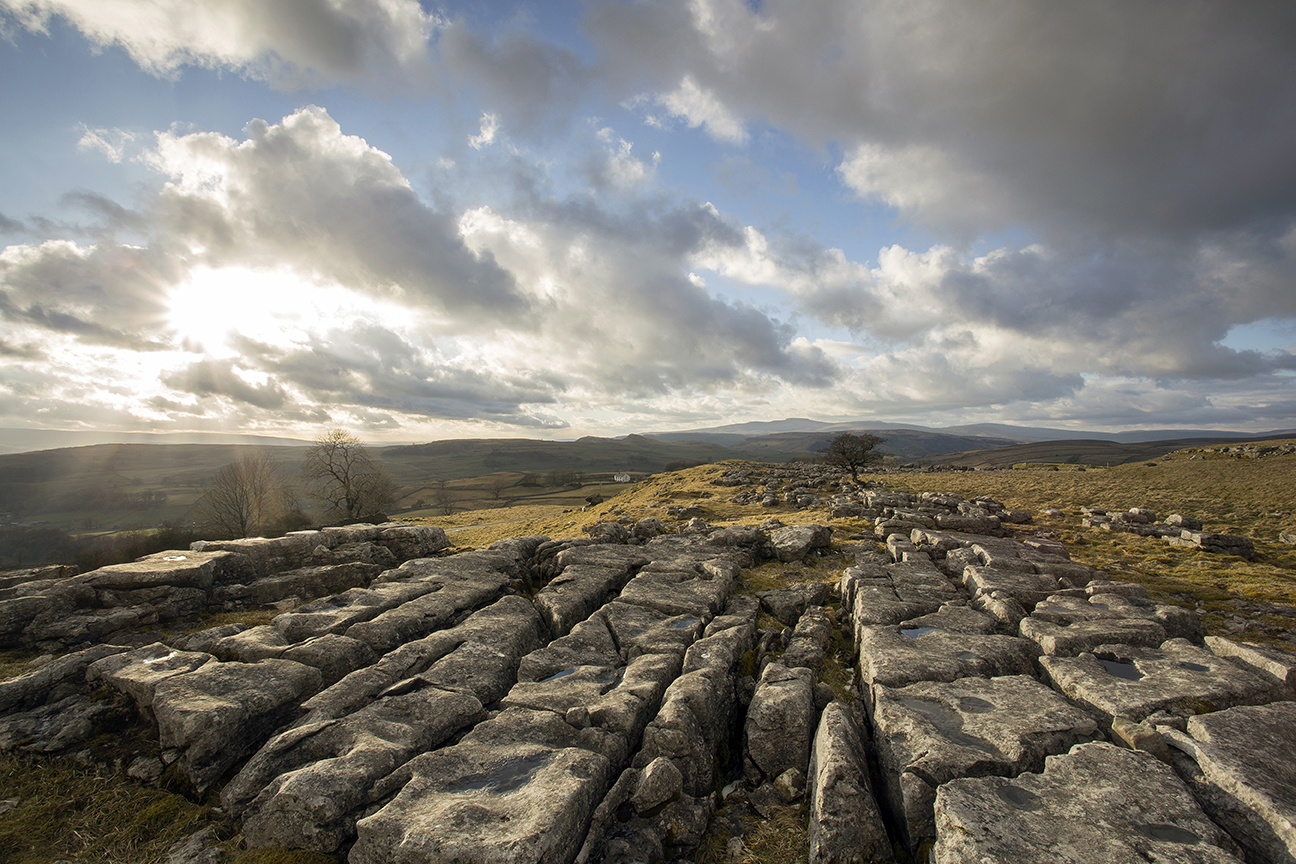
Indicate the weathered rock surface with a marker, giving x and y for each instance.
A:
(1243, 782)
(780, 722)
(930, 733)
(220, 713)
(476, 804)
(585, 699)
(795, 542)
(845, 825)
(1098, 804)
(1177, 678)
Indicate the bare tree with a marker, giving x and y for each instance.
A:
(245, 497)
(339, 471)
(853, 451)
(497, 484)
(443, 497)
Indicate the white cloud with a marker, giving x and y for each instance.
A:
(110, 142)
(623, 169)
(489, 127)
(289, 44)
(701, 107)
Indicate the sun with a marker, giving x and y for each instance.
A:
(267, 305)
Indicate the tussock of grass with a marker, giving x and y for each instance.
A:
(784, 837)
(78, 813)
(16, 662)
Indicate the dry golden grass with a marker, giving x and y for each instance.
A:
(68, 811)
(782, 839)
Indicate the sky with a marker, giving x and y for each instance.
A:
(417, 220)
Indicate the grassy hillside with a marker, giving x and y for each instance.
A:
(459, 458)
(1073, 452)
(115, 487)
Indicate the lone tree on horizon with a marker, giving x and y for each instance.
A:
(853, 451)
(339, 471)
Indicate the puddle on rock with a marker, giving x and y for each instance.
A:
(973, 705)
(505, 778)
(1170, 834)
(915, 632)
(1122, 670)
(1018, 797)
(1193, 667)
(684, 623)
(966, 655)
(949, 723)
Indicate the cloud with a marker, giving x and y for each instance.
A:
(10, 226)
(110, 142)
(700, 107)
(301, 193)
(1107, 118)
(221, 378)
(489, 126)
(291, 45)
(100, 294)
(616, 167)
(536, 86)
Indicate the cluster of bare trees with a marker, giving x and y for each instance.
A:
(254, 495)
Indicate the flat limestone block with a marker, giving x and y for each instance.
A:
(571, 596)
(681, 592)
(180, 569)
(1248, 778)
(1134, 681)
(892, 657)
(1098, 804)
(895, 593)
(1069, 639)
(1273, 661)
(221, 712)
(137, 673)
(930, 733)
(477, 804)
(339, 612)
(1026, 587)
(780, 722)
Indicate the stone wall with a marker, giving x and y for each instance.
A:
(608, 699)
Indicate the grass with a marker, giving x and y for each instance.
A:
(784, 837)
(79, 813)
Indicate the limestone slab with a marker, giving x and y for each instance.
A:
(1025, 586)
(1247, 778)
(894, 593)
(845, 825)
(781, 721)
(1098, 804)
(893, 658)
(474, 804)
(222, 712)
(930, 733)
(1135, 681)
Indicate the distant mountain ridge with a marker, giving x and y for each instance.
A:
(29, 440)
(735, 432)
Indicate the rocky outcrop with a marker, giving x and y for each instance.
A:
(598, 699)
